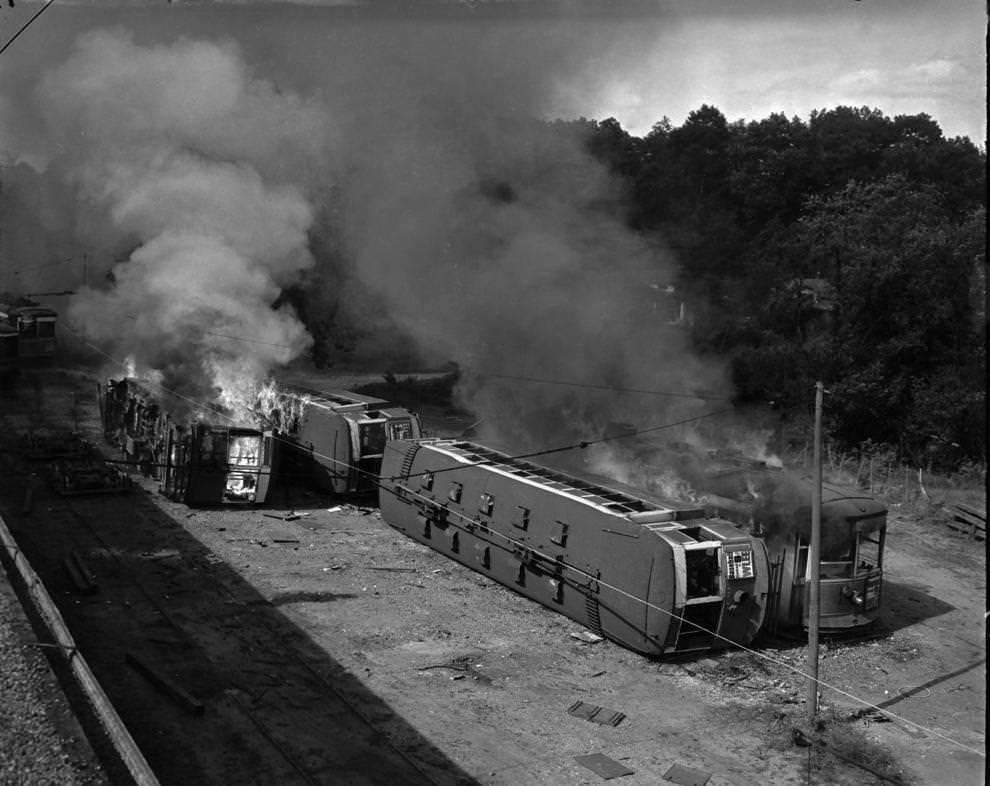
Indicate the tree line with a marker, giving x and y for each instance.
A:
(848, 248)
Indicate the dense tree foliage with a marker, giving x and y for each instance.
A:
(848, 248)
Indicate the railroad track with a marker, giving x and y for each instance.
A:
(214, 683)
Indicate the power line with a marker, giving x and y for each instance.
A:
(582, 444)
(25, 26)
(233, 338)
(609, 388)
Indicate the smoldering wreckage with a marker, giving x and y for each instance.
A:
(655, 575)
(658, 575)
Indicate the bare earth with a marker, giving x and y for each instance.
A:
(458, 679)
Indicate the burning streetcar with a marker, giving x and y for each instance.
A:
(654, 577)
(198, 462)
(336, 438)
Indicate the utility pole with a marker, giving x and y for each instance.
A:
(814, 563)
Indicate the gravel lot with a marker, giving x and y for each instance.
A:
(40, 740)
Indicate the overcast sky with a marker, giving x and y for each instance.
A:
(659, 58)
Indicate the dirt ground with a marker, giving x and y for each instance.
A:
(470, 669)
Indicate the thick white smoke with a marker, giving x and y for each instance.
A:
(490, 237)
(198, 164)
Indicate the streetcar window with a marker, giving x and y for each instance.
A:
(801, 560)
(702, 572)
(28, 328)
(560, 536)
(454, 495)
(372, 438)
(487, 504)
(521, 519)
(870, 552)
(244, 451)
(46, 329)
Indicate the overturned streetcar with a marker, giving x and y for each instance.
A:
(199, 463)
(656, 578)
(335, 439)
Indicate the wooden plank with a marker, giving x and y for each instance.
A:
(967, 519)
(174, 691)
(973, 511)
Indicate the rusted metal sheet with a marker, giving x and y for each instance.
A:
(603, 766)
(687, 776)
(596, 714)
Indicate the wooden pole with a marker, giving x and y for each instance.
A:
(814, 563)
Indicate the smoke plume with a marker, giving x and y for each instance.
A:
(197, 165)
(485, 234)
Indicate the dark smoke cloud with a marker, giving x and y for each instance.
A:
(488, 237)
(197, 163)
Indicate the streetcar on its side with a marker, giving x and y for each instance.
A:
(199, 461)
(334, 440)
(658, 578)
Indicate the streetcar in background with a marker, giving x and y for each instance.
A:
(34, 326)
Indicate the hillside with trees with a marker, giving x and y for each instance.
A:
(849, 248)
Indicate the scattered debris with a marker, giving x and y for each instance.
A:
(75, 478)
(871, 715)
(587, 636)
(596, 714)
(463, 663)
(79, 574)
(603, 766)
(290, 516)
(968, 519)
(64, 444)
(687, 776)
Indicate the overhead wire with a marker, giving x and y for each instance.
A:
(232, 338)
(609, 388)
(25, 26)
(377, 481)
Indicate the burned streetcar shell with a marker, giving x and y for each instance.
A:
(198, 463)
(336, 438)
(851, 574)
(655, 578)
(853, 534)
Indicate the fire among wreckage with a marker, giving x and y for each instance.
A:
(695, 598)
